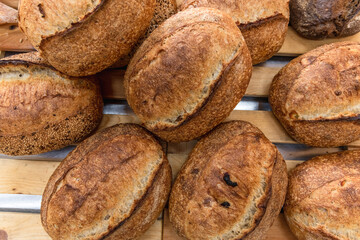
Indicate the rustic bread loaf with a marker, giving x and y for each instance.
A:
(43, 109)
(232, 186)
(323, 198)
(163, 10)
(262, 23)
(316, 96)
(7, 14)
(84, 37)
(189, 74)
(114, 185)
(318, 19)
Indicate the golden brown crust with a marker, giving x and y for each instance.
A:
(81, 199)
(42, 109)
(163, 10)
(262, 23)
(177, 84)
(7, 14)
(89, 35)
(317, 98)
(232, 186)
(323, 197)
(318, 19)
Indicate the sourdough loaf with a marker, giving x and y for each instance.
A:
(163, 10)
(323, 198)
(189, 74)
(318, 19)
(232, 186)
(84, 37)
(316, 96)
(114, 185)
(43, 109)
(262, 23)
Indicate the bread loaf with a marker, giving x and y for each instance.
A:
(318, 19)
(114, 185)
(262, 23)
(232, 186)
(43, 109)
(323, 198)
(189, 74)
(84, 37)
(163, 10)
(316, 96)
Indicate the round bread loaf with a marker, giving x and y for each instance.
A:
(232, 186)
(43, 109)
(316, 96)
(322, 202)
(163, 10)
(318, 19)
(83, 37)
(189, 74)
(262, 23)
(114, 185)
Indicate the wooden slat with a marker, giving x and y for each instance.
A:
(295, 44)
(112, 82)
(27, 226)
(11, 3)
(12, 39)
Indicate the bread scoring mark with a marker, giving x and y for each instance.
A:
(250, 25)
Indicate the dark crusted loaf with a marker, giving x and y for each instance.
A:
(43, 109)
(322, 202)
(318, 19)
(113, 186)
(189, 74)
(316, 96)
(232, 186)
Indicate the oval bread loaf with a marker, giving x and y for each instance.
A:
(84, 37)
(323, 197)
(189, 74)
(316, 96)
(114, 185)
(318, 19)
(43, 109)
(232, 186)
(262, 23)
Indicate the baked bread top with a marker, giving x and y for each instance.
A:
(318, 19)
(231, 187)
(84, 37)
(320, 88)
(100, 185)
(323, 197)
(192, 60)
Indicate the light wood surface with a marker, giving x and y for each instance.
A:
(25, 226)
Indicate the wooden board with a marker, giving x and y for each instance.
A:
(25, 226)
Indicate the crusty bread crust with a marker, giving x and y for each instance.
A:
(82, 38)
(112, 186)
(43, 109)
(316, 96)
(232, 186)
(322, 202)
(318, 19)
(189, 74)
(163, 10)
(263, 23)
